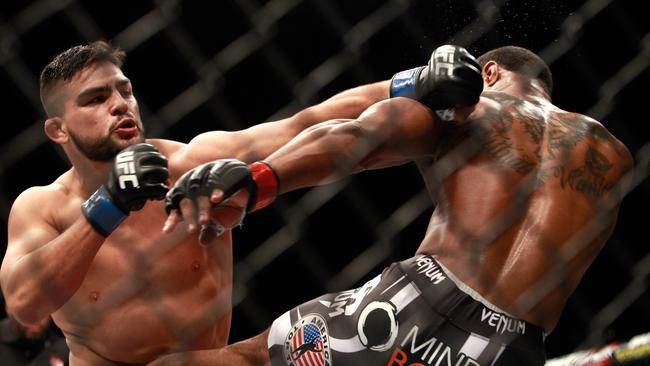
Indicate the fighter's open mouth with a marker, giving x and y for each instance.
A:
(126, 124)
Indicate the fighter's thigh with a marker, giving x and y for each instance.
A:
(327, 329)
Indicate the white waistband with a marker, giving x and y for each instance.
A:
(470, 291)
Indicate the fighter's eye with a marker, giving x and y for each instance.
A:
(95, 100)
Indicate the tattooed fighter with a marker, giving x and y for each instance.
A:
(526, 195)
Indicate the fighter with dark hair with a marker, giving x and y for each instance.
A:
(87, 248)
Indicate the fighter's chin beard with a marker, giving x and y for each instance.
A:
(104, 149)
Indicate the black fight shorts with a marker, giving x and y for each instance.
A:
(414, 313)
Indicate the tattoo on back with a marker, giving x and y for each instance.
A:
(500, 147)
(550, 145)
(590, 178)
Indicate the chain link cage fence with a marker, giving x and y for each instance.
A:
(206, 65)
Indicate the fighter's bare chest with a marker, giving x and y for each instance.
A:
(139, 250)
(140, 247)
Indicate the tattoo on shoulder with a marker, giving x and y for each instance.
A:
(589, 178)
(549, 141)
(500, 147)
(497, 134)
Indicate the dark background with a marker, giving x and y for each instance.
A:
(205, 65)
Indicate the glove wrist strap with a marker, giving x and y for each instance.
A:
(267, 184)
(404, 83)
(102, 214)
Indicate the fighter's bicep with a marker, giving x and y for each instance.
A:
(404, 128)
(248, 145)
(29, 227)
(203, 148)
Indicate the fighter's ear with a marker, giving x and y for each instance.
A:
(56, 130)
(490, 73)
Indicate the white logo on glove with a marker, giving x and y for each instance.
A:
(444, 56)
(126, 169)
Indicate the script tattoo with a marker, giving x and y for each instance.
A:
(590, 178)
(497, 135)
(551, 148)
(565, 131)
(499, 146)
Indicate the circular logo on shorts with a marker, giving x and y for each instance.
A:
(307, 344)
(377, 326)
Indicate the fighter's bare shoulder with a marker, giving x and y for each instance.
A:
(167, 147)
(598, 136)
(60, 188)
(202, 148)
(43, 204)
(175, 152)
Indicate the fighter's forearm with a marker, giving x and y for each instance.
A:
(363, 96)
(345, 105)
(42, 281)
(389, 133)
(320, 155)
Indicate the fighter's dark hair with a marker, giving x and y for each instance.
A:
(522, 61)
(66, 64)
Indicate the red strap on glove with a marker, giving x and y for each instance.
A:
(267, 184)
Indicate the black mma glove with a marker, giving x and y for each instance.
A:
(139, 174)
(229, 175)
(451, 79)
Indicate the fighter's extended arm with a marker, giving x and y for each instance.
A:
(260, 140)
(388, 133)
(451, 78)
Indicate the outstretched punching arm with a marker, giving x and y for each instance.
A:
(390, 132)
(387, 134)
(452, 77)
(258, 141)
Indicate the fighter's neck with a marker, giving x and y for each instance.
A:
(520, 87)
(90, 174)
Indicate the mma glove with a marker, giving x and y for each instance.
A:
(452, 78)
(139, 174)
(229, 175)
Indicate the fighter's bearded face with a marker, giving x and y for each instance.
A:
(98, 111)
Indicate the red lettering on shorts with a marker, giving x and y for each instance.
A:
(399, 358)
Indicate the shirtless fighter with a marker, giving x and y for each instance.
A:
(87, 248)
(526, 195)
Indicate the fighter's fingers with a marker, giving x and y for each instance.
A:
(172, 220)
(188, 211)
(217, 196)
(239, 199)
(203, 205)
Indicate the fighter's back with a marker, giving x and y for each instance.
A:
(529, 195)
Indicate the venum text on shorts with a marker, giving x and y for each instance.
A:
(429, 268)
(502, 323)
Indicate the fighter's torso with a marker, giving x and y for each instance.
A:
(146, 293)
(522, 185)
